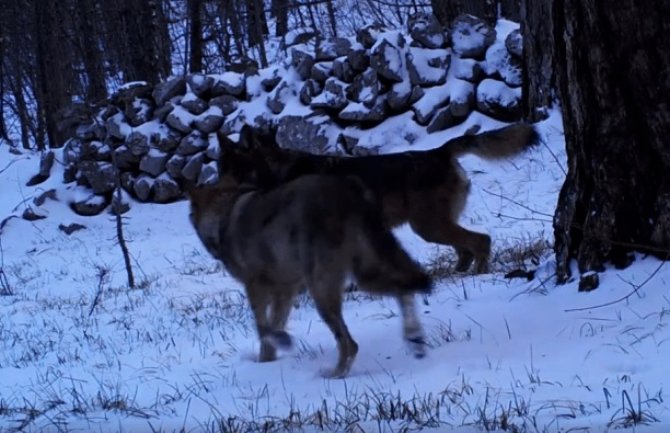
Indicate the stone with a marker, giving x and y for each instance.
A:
(46, 163)
(471, 36)
(368, 34)
(101, 176)
(321, 71)
(276, 100)
(425, 30)
(209, 174)
(210, 120)
(138, 111)
(192, 168)
(125, 160)
(193, 104)
(142, 187)
(131, 91)
(358, 59)
(174, 165)
(467, 69)
(302, 62)
(332, 98)
(191, 143)
(427, 67)
(168, 89)
(387, 60)
(365, 88)
(498, 100)
(166, 190)
(180, 119)
(500, 63)
(426, 107)
(227, 103)
(309, 90)
(514, 44)
(357, 112)
(343, 70)
(161, 113)
(229, 83)
(90, 206)
(298, 132)
(117, 127)
(153, 162)
(200, 84)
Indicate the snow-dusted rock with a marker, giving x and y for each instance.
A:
(228, 83)
(309, 90)
(227, 103)
(193, 103)
(297, 132)
(139, 111)
(89, 205)
(321, 71)
(330, 50)
(365, 88)
(498, 100)
(142, 187)
(471, 36)
(332, 97)
(174, 166)
(117, 126)
(165, 189)
(425, 30)
(466, 69)
(138, 143)
(387, 60)
(125, 160)
(209, 174)
(427, 67)
(200, 84)
(368, 34)
(191, 143)
(426, 107)
(500, 63)
(514, 44)
(153, 162)
(166, 90)
(302, 62)
(101, 176)
(192, 168)
(358, 58)
(358, 112)
(180, 119)
(210, 120)
(276, 100)
(343, 70)
(300, 35)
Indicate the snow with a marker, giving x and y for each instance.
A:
(178, 350)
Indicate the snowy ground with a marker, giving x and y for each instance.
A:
(178, 351)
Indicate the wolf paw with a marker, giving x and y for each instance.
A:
(417, 345)
(279, 340)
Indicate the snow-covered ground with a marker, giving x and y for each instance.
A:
(177, 352)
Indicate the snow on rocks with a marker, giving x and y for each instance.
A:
(433, 77)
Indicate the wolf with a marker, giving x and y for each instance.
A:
(313, 232)
(427, 189)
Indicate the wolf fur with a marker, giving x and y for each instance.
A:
(427, 189)
(313, 232)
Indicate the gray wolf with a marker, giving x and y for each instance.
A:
(427, 189)
(313, 232)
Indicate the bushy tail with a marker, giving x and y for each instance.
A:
(496, 144)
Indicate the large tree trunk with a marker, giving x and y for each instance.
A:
(446, 10)
(614, 81)
(195, 36)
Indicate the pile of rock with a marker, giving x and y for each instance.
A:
(162, 136)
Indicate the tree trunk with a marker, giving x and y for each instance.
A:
(89, 45)
(614, 82)
(539, 68)
(446, 10)
(279, 10)
(194, 13)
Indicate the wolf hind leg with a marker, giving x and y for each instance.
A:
(328, 300)
(259, 296)
(280, 309)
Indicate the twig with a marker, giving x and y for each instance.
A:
(102, 273)
(119, 225)
(623, 298)
(518, 203)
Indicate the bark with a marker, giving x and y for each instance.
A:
(279, 10)
(539, 69)
(89, 46)
(613, 85)
(257, 28)
(446, 10)
(195, 8)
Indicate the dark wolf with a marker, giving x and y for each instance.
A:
(427, 189)
(314, 232)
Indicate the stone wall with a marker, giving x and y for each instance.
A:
(160, 136)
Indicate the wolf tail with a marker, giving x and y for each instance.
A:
(496, 144)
